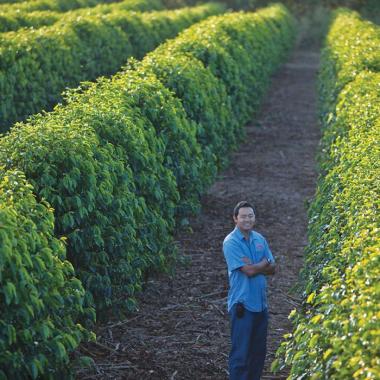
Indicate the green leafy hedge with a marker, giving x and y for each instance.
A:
(12, 20)
(336, 334)
(125, 159)
(92, 191)
(178, 134)
(205, 57)
(351, 47)
(233, 41)
(36, 65)
(231, 4)
(9, 2)
(52, 5)
(206, 102)
(40, 299)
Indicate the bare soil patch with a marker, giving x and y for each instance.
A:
(181, 330)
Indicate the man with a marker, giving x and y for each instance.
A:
(248, 259)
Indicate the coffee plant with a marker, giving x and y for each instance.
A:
(336, 333)
(14, 19)
(45, 61)
(41, 300)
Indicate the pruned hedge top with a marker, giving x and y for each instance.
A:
(36, 65)
(11, 20)
(52, 5)
(352, 45)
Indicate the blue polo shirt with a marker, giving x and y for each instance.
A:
(239, 252)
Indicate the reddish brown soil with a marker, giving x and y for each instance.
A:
(181, 330)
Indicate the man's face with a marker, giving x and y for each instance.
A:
(245, 219)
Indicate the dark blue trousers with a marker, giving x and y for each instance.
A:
(249, 341)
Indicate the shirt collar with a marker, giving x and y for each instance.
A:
(241, 236)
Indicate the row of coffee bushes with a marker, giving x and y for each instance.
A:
(9, 2)
(40, 299)
(344, 61)
(229, 104)
(337, 330)
(36, 65)
(125, 158)
(51, 5)
(12, 20)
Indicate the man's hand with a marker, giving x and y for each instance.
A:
(269, 269)
(263, 267)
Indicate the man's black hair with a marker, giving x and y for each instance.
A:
(241, 205)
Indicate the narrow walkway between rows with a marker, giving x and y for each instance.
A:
(181, 330)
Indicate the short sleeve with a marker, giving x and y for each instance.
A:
(268, 252)
(234, 255)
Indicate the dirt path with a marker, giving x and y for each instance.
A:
(182, 330)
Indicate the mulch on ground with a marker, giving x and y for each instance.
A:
(181, 330)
